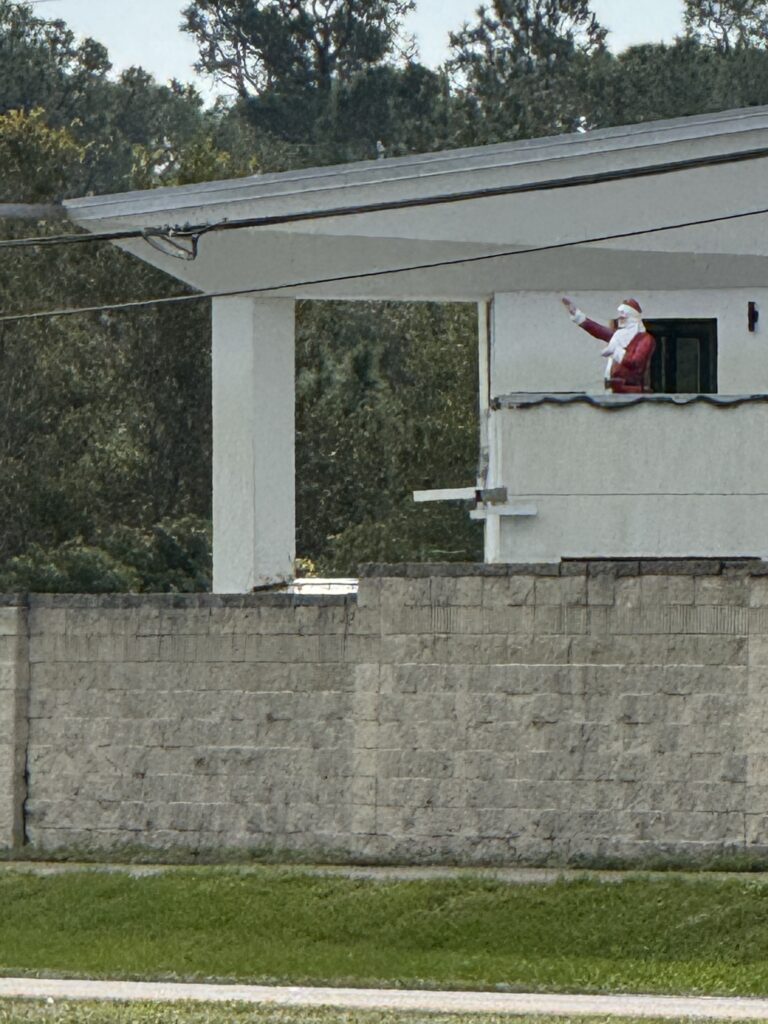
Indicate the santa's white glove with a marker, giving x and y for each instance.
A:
(573, 310)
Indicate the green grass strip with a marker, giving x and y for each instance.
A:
(17, 1011)
(666, 935)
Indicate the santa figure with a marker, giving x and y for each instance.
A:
(628, 350)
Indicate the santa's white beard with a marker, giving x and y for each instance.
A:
(617, 346)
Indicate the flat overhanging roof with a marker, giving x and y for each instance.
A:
(358, 222)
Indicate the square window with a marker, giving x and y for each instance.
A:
(685, 360)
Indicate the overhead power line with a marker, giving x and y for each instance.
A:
(274, 220)
(361, 275)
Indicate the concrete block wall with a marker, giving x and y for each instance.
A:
(191, 722)
(496, 714)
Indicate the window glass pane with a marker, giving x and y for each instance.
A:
(688, 366)
(685, 360)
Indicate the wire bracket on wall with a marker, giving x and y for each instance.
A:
(179, 243)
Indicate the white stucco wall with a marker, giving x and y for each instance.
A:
(651, 480)
(535, 346)
(646, 480)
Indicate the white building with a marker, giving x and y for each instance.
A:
(665, 212)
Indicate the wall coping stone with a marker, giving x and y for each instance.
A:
(572, 567)
(422, 570)
(164, 601)
(595, 567)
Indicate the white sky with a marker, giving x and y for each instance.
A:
(146, 32)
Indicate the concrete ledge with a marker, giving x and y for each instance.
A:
(570, 567)
(169, 601)
(613, 402)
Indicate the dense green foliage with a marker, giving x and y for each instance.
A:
(379, 391)
(105, 444)
(105, 438)
(665, 935)
(43, 67)
(326, 81)
(523, 66)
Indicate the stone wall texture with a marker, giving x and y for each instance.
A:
(472, 714)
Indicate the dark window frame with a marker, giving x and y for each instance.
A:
(666, 375)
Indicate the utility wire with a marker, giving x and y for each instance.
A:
(551, 184)
(361, 275)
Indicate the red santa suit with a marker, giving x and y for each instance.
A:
(628, 350)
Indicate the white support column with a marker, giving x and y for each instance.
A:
(484, 385)
(253, 443)
(488, 439)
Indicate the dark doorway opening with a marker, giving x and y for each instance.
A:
(685, 360)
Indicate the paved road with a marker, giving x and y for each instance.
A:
(718, 1008)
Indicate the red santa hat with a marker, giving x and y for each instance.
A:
(633, 303)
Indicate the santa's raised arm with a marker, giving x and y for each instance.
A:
(628, 349)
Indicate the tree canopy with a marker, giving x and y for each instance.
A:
(255, 47)
(727, 24)
(520, 67)
(327, 79)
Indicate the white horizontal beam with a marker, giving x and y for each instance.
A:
(491, 495)
(447, 494)
(513, 509)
